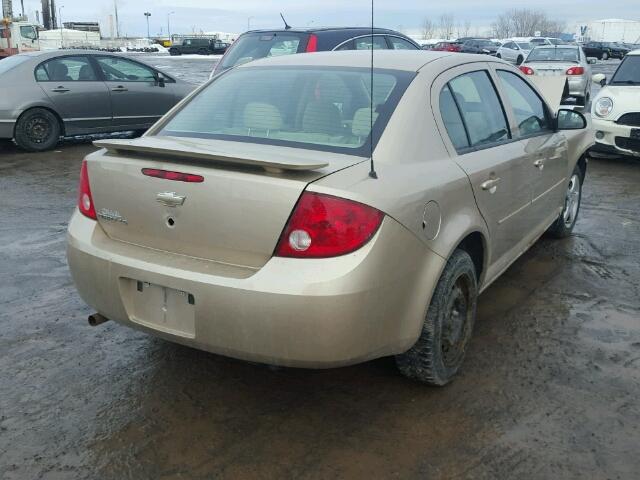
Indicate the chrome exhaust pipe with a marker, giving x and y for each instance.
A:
(97, 319)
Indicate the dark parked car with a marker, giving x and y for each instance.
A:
(200, 46)
(479, 45)
(51, 94)
(604, 50)
(270, 43)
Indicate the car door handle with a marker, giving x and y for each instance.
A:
(491, 185)
(60, 89)
(539, 163)
(120, 88)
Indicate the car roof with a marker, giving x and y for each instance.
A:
(405, 60)
(326, 29)
(634, 52)
(561, 46)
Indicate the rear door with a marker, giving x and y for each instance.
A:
(482, 145)
(546, 150)
(80, 97)
(137, 98)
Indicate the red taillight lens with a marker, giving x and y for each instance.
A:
(527, 70)
(176, 176)
(85, 200)
(575, 71)
(312, 44)
(323, 226)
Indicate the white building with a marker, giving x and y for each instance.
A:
(609, 30)
(54, 39)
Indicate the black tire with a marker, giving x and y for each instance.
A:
(37, 130)
(605, 56)
(174, 52)
(439, 352)
(203, 51)
(498, 55)
(563, 226)
(519, 60)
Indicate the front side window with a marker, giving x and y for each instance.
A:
(480, 108)
(28, 32)
(66, 69)
(528, 108)
(123, 70)
(320, 109)
(401, 44)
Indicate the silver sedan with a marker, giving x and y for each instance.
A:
(47, 95)
(562, 60)
(514, 52)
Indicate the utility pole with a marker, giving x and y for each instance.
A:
(169, 25)
(115, 7)
(147, 14)
(61, 26)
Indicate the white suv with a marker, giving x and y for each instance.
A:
(616, 111)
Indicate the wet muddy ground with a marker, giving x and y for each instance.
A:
(549, 389)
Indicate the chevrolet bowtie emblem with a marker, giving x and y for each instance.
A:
(170, 199)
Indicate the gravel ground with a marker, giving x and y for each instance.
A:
(549, 389)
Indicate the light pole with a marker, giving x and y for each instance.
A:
(249, 23)
(147, 14)
(61, 25)
(169, 25)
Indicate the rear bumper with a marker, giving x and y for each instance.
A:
(300, 313)
(614, 137)
(578, 86)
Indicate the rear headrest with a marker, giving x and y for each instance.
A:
(262, 116)
(362, 122)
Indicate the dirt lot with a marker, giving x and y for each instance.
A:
(550, 388)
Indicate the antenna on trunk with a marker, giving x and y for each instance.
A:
(372, 172)
(286, 25)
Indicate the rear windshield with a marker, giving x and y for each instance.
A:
(628, 72)
(253, 46)
(554, 55)
(525, 46)
(325, 109)
(8, 63)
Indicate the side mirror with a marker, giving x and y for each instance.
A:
(570, 120)
(160, 81)
(600, 79)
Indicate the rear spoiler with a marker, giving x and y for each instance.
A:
(214, 150)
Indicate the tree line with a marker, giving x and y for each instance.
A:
(517, 22)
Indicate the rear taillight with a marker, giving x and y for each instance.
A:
(527, 70)
(312, 44)
(575, 71)
(85, 200)
(323, 226)
(169, 175)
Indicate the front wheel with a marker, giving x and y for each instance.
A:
(37, 130)
(174, 52)
(438, 354)
(605, 56)
(520, 60)
(498, 55)
(563, 226)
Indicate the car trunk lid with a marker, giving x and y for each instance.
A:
(235, 215)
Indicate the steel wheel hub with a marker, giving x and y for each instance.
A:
(572, 201)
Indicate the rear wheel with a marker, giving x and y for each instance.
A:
(563, 226)
(605, 56)
(203, 51)
(174, 52)
(498, 56)
(438, 354)
(37, 130)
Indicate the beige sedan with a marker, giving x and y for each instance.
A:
(251, 221)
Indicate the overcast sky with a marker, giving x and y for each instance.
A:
(233, 15)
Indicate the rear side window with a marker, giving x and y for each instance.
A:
(398, 43)
(261, 45)
(66, 69)
(364, 43)
(453, 120)
(528, 108)
(480, 108)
